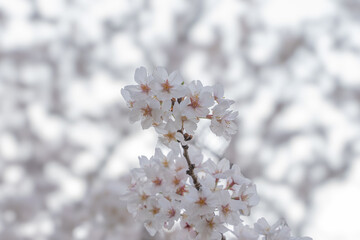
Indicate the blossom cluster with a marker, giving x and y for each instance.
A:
(168, 104)
(162, 193)
(205, 199)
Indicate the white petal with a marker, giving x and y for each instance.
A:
(218, 90)
(206, 99)
(140, 75)
(146, 123)
(151, 230)
(175, 78)
(134, 115)
(160, 73)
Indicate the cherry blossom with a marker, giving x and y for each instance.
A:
(146, 111)
(218, 92)
(219, 170)
(245, 233)
(222, 121)
(176, 188)
(278, 231)
(167, 86)
(200, 202)
(199, 100)
(210, 227)
(229, 210)
(182, 120)
(142, 90)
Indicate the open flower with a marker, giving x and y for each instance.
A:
(170, 212)
(170, 136)
(223, 120)
(128, 98)
(247, 194)
(143, 90)
(199, 99)
(200, 202)
(229, 208)
(147, 111)
(210, 227)
(219, 170)
(167, 86)
(245, 233)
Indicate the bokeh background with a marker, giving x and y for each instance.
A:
(66, 146)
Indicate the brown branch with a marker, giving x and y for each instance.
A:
(190, 171)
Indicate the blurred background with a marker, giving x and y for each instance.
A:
(66, 145)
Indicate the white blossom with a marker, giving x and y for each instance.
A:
(200, 202)
(199, 100)
(146, 111)
(167, 86)
(245, 233)
(143, 90)
(248, 195)
(209, 227)
(223, 120)
(182, 119)
(219, 170)
(178, 186)
(170, 136)
(170, 212)
(229, 208)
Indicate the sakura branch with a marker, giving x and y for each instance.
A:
(191, 166)
(206, 200)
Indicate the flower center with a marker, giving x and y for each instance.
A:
(171, 212)
(194, 102)
(181, 190)
(147, 111)
(188, 227)
(166, 86)
(201, 201)
(244, 197)
(165, 163)
(155, 210)
(210, 223)
(144, 197)
(145, 88)
(131, 104)
(225, 209)
(157, 181)
(170, 136)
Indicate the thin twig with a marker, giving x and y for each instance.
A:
(190, 171)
